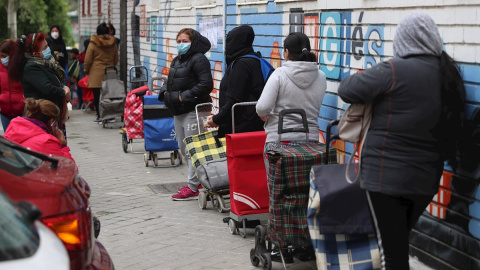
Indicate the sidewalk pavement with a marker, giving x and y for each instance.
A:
(142, 229)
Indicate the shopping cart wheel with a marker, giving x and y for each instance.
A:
(125, 141)
(202, 199)
(232, 226)
(172, 158)
(267, 261)
(155, 160)
(220, 203)
(260, 233)
(179, 156)
(253, 258)
(145, 158)
(214, 200)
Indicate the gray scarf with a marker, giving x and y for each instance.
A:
(417, 34)
(50, 63)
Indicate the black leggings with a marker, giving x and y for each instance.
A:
(394, 218)
(96, 100)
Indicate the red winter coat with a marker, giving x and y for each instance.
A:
(12, 101)
(29, 135)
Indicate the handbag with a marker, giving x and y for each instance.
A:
(340, 222)
(353, 127)
(205, 147)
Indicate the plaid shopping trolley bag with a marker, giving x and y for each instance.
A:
(339, 220)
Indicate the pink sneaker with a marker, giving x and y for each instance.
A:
(181, 188)
(185, 195)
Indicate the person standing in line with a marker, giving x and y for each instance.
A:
(189, 83)
(31, 62)
(102, 52)
(243, 81)
(418, 100)
(12, 102)
(57, 46)
(299, 83)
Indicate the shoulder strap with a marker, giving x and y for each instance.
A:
(267, 69)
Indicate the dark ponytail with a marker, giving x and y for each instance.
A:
(453, 109)
(298, 46)
(26, 44)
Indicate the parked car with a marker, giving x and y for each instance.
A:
(54, 186)
(25, 243)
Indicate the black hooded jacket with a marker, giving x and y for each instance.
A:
(57, 46)
(190, 77)
(243, 81)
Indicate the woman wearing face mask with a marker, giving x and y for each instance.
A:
(31, 63)
(12, 102)
(57, 45)
(38, 129)
(189, 83)
(102, 51)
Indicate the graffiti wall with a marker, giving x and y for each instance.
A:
(345, 39)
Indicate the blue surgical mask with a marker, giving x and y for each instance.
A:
(47, 53)
(5, 61)
(183, 48)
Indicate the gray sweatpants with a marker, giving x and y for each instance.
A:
(186, 125)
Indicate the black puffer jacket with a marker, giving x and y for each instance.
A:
(190, 76)
(243, 81)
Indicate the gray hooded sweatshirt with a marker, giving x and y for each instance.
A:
(295, 85)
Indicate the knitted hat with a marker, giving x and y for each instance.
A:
(417, 34)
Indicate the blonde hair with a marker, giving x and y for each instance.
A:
(41, 109)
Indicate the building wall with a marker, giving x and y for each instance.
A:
(346, 36)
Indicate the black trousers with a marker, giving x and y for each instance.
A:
(96, 100)
(394, 218)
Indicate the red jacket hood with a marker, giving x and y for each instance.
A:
(29, 135)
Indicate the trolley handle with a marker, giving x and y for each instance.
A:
(199, 123)
(282, 130)
(329, 138)
(140, 78)
(248, 103)
(155, 89)
(111, 67)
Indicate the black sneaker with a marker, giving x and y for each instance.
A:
(276, 257)
(304, 253)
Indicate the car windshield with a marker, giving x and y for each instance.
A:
(18, 238)
(16, 161)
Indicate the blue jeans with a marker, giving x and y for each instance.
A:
(6, 121)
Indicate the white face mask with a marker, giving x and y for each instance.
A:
(55, 35)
